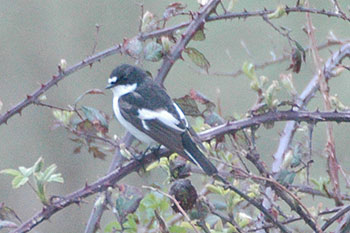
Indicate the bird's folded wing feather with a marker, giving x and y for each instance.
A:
(165, 131)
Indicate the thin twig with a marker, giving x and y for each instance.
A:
(183, 212)
(143, 36)
(178, 48)
(263, 65)
(338, 215)
(332, 162)
(294, 219)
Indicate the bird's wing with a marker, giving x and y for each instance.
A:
(157, 123)
(165, 128)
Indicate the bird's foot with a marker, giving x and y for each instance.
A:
(155, 151)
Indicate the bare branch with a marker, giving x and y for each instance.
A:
(303, 100)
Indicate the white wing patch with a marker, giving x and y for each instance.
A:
(193, 160)
(181, 114)
(144, 125)
(161, 115)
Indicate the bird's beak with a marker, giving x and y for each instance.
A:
(109, 86)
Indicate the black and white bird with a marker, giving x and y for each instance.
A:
(149, 114)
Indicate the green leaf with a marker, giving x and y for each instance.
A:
(18, 181)
(96, 117)
(128, 201)
(11, 172)
(56, 178)
(149, 22)
(278, 13)
(215, 189)
(177, 229)
(188, 105)
(301, 49)
(199, 97)
(63, 116)
(296, 160)
(112, 227)
(197, 58)
(38, 165)
(26, 171)
(199, 35)
(153, 51)
(286, 177)
(132, 47)
(249, 70)
(131, 224)
(48, 172)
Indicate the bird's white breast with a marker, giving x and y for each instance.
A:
(119, 91)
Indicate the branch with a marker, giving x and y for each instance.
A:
(332, 163)
(175, 53)
(76, 197)
(299, 9)
(281, 59)
(314, 117)
(304, 98)
(168, 62)
(293, 219)
(116, 175)
(336, 217)
(157, 33)
(254, 158)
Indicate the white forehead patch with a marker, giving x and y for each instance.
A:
(112, 79)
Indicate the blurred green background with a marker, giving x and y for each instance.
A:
(35, 35)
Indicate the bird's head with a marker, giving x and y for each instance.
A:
(126, 75)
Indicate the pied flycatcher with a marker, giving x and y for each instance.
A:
(148, 113)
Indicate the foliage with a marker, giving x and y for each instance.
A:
(246, 193)
(40, 177)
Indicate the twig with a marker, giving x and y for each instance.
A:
(303, 99)
(117, 48)
(294, 219)
(232, 126)
(332, 162)
(338, 8)
(176, 203)
(186, 36)
(257, 205)
(96, 38)
(118, 173)
(340, 213)
(97, 211)
(32, 98)
(254, 158)
(246, 14)
(314, 192)
(263, 65)
(266, 19)
(53, 107)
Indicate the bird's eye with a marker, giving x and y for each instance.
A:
(112, 80)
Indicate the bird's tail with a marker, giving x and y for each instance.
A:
(196, 156)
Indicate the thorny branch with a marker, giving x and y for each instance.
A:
(117, 174)
(144, 36)
(332, 162)
(168, 62)
(111, 179)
